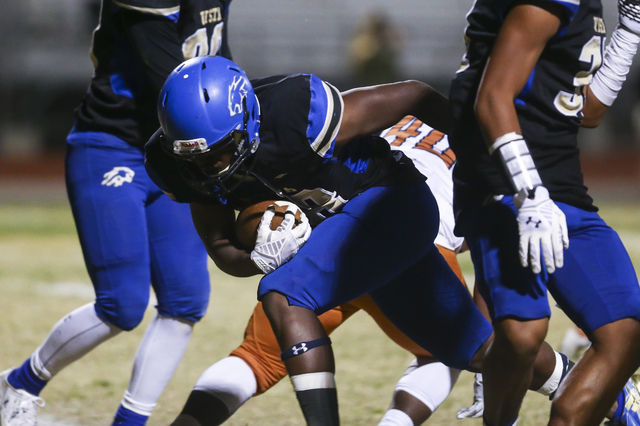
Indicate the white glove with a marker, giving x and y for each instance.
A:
(275, 248)
(477, 409)
(541, 224)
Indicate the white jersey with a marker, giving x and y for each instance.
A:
(429, 149)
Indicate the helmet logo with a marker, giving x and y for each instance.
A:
(237, 91)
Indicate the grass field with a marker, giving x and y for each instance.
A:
(42, 278)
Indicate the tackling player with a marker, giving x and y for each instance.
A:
(255, 366)
(375, 219)
(129, 230)
(532, 75)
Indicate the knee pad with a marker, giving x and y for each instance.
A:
(430, 383)
(124, 316)
(192, 312)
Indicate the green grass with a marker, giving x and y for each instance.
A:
(42, 278)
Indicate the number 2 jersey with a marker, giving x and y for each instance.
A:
(300, 116)
(548, 107)
(135, 47)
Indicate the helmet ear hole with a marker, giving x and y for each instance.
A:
(206, 95)
(164, 99)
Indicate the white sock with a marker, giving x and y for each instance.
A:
(430, 383)
(231, 380)
(395, 417)
(158, 356)
(70, 339)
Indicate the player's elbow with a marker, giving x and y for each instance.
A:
(231, 260)
(485, 106)
(593, 111)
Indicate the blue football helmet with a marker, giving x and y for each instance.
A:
(207, 107)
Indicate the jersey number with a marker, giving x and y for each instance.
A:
(198, 43)
(570, 104)
(428, 143)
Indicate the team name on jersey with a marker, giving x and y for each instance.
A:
(210, 16)
(598, 25)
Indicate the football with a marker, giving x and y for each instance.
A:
(248, 220)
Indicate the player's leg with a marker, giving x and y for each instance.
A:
(308, 356)
(426, 382)
(422, 389)
(251, 369)
(517, 301)
(110, 223)
(181, 284)
(346, 256)
(598, 289)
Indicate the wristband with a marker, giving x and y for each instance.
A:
(618, 57)
(516, 158)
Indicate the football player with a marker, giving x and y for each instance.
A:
(533, 74)
(255, 366)
(226, 143)
(129, 230)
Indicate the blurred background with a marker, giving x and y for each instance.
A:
(46, 68)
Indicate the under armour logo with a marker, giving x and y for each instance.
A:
(118, 176)
(297, 350)
(530, 220)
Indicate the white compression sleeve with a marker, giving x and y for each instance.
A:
(157, 358)
(230, 380)
(618, 57)
(70, 339)
(430, 383)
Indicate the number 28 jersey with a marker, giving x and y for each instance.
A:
(549, 107)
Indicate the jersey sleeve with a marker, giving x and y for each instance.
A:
(325, 116)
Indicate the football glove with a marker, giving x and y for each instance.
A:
(543, 230)
(477, 409)
(275, 248)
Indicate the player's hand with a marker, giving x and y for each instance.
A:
(629, 15)
(477, 409)
(542, 226)
(275, 248)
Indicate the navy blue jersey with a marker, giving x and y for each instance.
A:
(549, 106)
(135, 47)
(300, 118)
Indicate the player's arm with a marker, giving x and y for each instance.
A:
(372, 109)
(618, 58)
(593, 110)
(216, 226)
(523, 36)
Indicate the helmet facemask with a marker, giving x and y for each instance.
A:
(197, 160)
